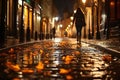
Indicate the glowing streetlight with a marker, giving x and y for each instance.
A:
(56, 18)
(84, 1)
(61, 25)
(71, 23)
(71, 17)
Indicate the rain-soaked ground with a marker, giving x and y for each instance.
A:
(59, 59)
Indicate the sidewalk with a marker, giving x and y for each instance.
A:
(12, 42)
(111, 45)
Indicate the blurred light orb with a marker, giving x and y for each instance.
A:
(84, 1)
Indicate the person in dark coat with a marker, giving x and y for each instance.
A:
(79, 20)
(53, 32)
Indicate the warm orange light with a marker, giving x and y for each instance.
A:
(64, 71)
(12, 66)
(68, 59)
(40, 66)
(69, 77)
(26, 70)
(11, 50)
(112, 3)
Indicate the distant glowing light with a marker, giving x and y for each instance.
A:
(103, 16)
(61, 25)
(84, 1)
(68, 25)
(20, 2)
(58, 40)
(56, 18)
(71, 17)
(103, 19)
(30, 9)
(112, 3)
(71, 23)
(74, 11)
(38, 17)
(56, 62)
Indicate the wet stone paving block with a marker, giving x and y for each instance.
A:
(50, 60)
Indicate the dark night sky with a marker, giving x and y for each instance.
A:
(64, 5)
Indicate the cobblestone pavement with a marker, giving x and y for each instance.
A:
(58, 59)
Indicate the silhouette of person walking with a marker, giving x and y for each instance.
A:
(79, 20)
(53, 32)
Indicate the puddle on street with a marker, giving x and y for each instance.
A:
(58, 61)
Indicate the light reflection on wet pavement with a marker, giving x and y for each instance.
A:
(58, 60)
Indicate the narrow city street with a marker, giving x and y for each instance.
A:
(38, 40)
(58, 59)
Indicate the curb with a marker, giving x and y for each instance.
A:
(18, 44)
(109, 50)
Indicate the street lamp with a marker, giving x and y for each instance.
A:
(71, 18)
(54, 20)
(22, 26)
(84, 1)
(20, 2)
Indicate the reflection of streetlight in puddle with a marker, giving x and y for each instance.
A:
(58, 40)
(56, 62)
(20, 75)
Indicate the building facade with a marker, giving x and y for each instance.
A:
(46, 21)
(101, 18)
(20, 16)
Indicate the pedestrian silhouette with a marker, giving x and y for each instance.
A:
(53, 32)
(65, 33)
(79, 20)
(28, 34)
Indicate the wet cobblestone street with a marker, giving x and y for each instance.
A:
(58, 59)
